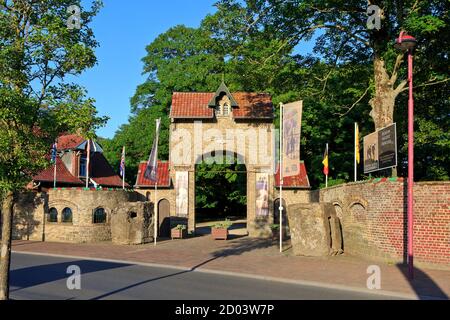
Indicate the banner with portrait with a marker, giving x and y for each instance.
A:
(182, 193)
(292, 123)
(262, 195)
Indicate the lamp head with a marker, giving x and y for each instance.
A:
(405, 42)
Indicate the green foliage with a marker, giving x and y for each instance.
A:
(37, 51)
(181, 227)
(137, 136)
(221, 188)
(222, 224)
(333, 182)
(254, 44)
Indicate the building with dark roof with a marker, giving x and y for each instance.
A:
(71, 166)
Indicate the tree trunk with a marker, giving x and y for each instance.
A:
(5, 251)
(384, 101)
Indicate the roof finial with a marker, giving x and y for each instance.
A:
(223, 77)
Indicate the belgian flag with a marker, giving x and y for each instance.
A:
(325, 162)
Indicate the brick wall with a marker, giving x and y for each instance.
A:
(373, 217)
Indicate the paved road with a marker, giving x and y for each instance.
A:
(42, 277)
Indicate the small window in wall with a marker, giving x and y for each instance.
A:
(132, 215)
(52, 215)
(67, 215)
(99, 215)
(225, 109)
(83, 163)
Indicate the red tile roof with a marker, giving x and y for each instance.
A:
(195, 105)
(63, 176)
(68, 142)
(163, 175)
(299, 181)
(253, 105)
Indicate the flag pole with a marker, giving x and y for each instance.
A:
(123, 170)
(155, 209)
(356, 143)
(54, 169)
(280, 208)
(155, 227)
(88, 160)
(326, 176)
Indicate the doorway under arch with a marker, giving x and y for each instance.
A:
(221, 193)
(164, 218)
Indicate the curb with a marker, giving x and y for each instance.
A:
(241, 275)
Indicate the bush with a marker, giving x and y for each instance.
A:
(222, 224)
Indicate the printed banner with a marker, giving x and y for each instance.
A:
(182, 195)
(292, 122)
(262, 195)
(380, 149)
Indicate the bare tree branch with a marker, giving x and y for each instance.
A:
(426, 84)
(354, 104)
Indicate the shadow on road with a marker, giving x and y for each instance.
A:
(236, 247)
(36, 275)
(424, 287)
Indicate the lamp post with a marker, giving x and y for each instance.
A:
(407, 43)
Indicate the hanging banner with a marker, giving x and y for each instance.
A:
(380, 149)
(182, 195)
(292, 123)
(262, 195)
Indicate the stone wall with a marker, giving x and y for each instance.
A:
(217, 134)
(31, 214)
(374, 220)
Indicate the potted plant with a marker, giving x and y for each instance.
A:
(179, 232)
(275, 230)
(219, 230)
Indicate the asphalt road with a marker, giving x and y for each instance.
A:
(42, 278)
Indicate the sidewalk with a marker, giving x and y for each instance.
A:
(257, 258)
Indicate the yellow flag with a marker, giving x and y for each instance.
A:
(357, 143)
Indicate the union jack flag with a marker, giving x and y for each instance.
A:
(54, 152)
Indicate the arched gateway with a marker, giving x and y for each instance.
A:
(210, 127)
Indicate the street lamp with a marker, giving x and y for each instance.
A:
(407, 44)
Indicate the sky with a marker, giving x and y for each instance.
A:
(124, 29)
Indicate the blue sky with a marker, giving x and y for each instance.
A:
(124, 29)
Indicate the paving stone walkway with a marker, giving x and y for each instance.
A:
(256, 257)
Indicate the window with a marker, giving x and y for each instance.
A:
(83, 162)
(67, 215)
(225, 109)
(99, 215)
(52, 215)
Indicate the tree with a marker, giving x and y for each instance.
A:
(137, 136)
(37, 52)
(343, 42)
(181, 59)
(212, 179)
